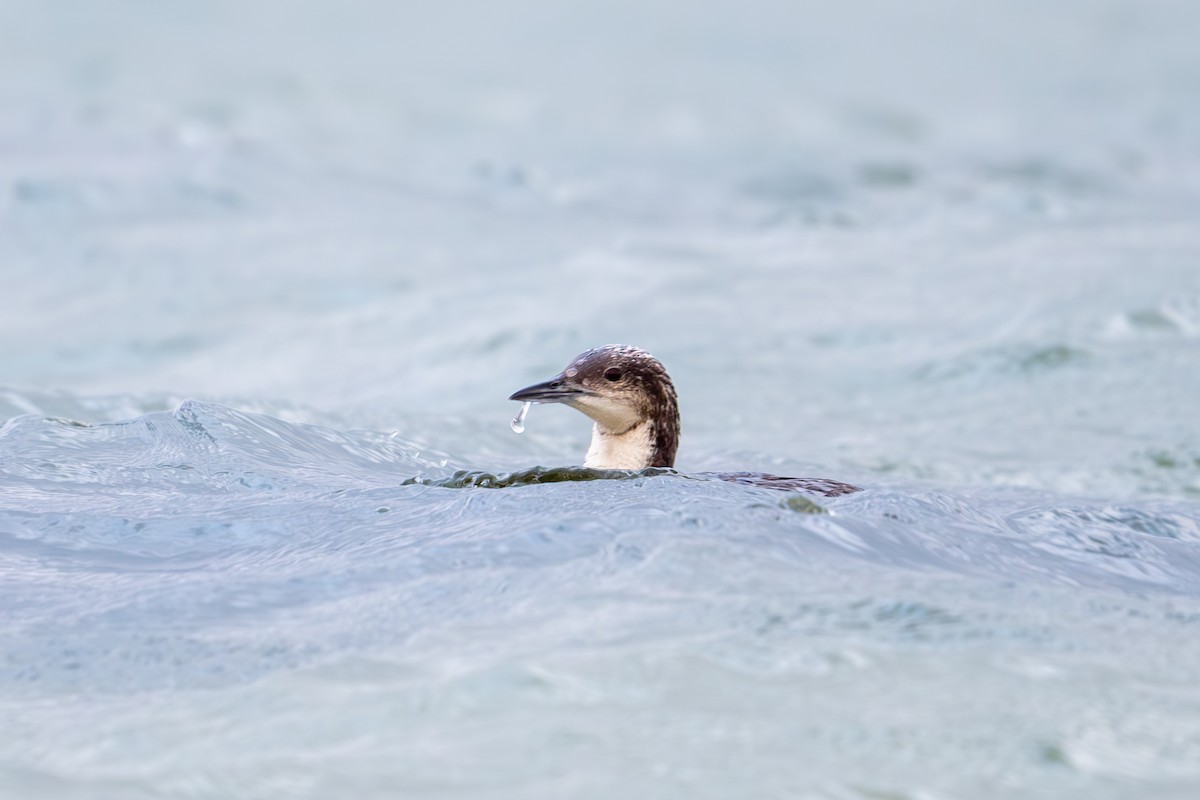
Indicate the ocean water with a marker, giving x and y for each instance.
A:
(270, 271)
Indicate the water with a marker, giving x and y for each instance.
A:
(270, 271)
(518, 423)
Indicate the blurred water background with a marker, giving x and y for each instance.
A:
(263, 262)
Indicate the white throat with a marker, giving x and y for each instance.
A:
(632, 449)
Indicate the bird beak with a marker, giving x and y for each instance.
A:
(559, 389)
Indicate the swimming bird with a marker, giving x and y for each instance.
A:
(630, 398)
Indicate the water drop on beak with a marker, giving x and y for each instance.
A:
(518, 424)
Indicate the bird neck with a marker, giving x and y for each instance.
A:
(636, 448)
(631, 449)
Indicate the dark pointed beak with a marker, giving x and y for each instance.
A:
(558, 389)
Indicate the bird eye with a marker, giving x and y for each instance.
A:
(612, 374)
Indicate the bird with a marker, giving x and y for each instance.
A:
(635, 412)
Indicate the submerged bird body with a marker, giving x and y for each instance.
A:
(632, 402)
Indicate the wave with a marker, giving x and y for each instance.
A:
(206, 480)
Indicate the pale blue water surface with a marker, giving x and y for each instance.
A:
(263, 263)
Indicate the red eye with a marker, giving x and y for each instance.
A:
(612, 374)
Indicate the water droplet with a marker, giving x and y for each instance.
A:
(518, 424)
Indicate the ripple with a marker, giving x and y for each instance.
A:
(1175, 317)
(1026, 359)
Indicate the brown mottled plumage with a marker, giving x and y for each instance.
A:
(630, 397)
